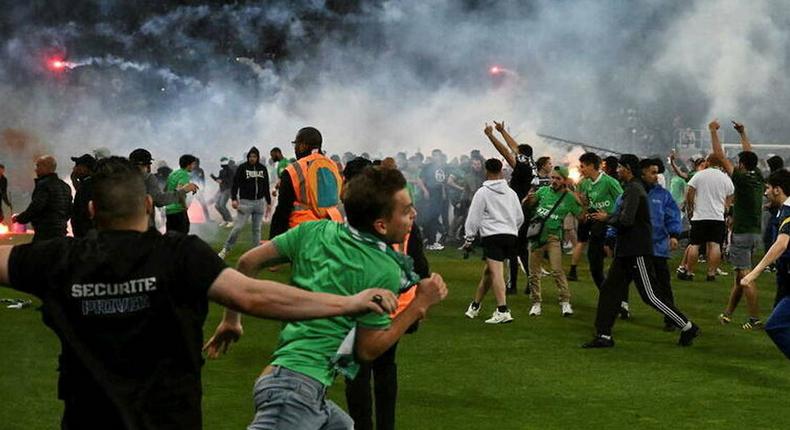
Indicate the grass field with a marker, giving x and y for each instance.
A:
(457, 373)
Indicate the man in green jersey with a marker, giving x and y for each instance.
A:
(556, 197)
(747, 216)
(598, 191)
(339, 259)
(177, 219)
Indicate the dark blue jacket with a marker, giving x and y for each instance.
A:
(664, 217)
(776, 222)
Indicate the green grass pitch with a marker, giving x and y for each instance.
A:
(456, 373)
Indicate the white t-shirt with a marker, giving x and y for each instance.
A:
(712, 189)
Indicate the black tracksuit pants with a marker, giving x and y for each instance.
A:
(596, 254)
(639, 269)
(661, 266)
(522, 253)
(358, 395)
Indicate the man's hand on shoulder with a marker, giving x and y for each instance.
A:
(376, 300)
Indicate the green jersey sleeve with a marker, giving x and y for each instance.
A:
(288, 243)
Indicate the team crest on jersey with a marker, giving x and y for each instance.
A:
(440, 176)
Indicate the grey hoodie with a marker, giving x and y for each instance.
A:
(495, 209)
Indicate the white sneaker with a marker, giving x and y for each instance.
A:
(471, 312)
(544, 272)
(222, 253)
(721, 272)
(500, 318)
(435, 247)
(567, 310)
(536, 310)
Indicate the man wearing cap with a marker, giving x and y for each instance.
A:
(225, 181)
(553, 204)
(50, 206)
(142, 159)
(81, 221)
(633, 261)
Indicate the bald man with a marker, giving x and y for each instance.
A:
(50, 204)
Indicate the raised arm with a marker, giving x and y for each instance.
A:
(675, 168)
(506, 153)
(717, 148)
(500, 127)
(746, 145)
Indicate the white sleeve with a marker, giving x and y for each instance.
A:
(519, 212)
(475, 215)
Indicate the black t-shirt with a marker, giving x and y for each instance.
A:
(521, 178)
(434, 177)
(129, 309)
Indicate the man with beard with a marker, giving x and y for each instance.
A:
(309, 187)
(142, 159)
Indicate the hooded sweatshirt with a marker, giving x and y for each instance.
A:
(495, 209)
(251, 181)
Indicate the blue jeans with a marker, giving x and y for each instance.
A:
(287, 400)
(221, 205)
(778, 326)
(247, 209)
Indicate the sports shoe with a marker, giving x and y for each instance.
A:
(685, 276)
(710, 278)
(471, 312)
(435, 247)
(752, 324)
(222, 253)
(721, 272)
(567, 310)
(599, 342)
(701, 259)
(536, 310)
(625, 312)
(544, 272)
(500, 318)
(687, 336)
(572, 276)
(724, 319)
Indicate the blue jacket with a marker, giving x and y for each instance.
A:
(664, 216)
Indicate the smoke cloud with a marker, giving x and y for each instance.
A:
(386, 76)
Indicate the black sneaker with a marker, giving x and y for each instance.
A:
(687, 337)
(625, 314)
(685, 276)
(599, 342)
(710, 278)
(572, 276)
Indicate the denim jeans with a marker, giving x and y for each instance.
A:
(247, 209)
(287, 400)
(221, 205)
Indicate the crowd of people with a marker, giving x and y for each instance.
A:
(128, 302)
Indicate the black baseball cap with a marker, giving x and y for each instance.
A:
(85, 160)
(140, 156)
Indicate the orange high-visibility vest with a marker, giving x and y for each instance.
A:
(406, 297)
(307, 205)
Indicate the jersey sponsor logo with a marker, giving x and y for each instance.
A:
(440, 176)
(252, 174)
(602, 204)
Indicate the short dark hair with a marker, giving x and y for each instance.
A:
(542, 162)
(591, 158)
(781, 179)
(276, 149)
(369, 196)
(631, 162)
(493, 165)
(524, 150)
(649, 162)
(186, 160)
(2, 166)
(775, 163)
(118, 190)
(748, 159)
(310, 136)
(355, 167)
